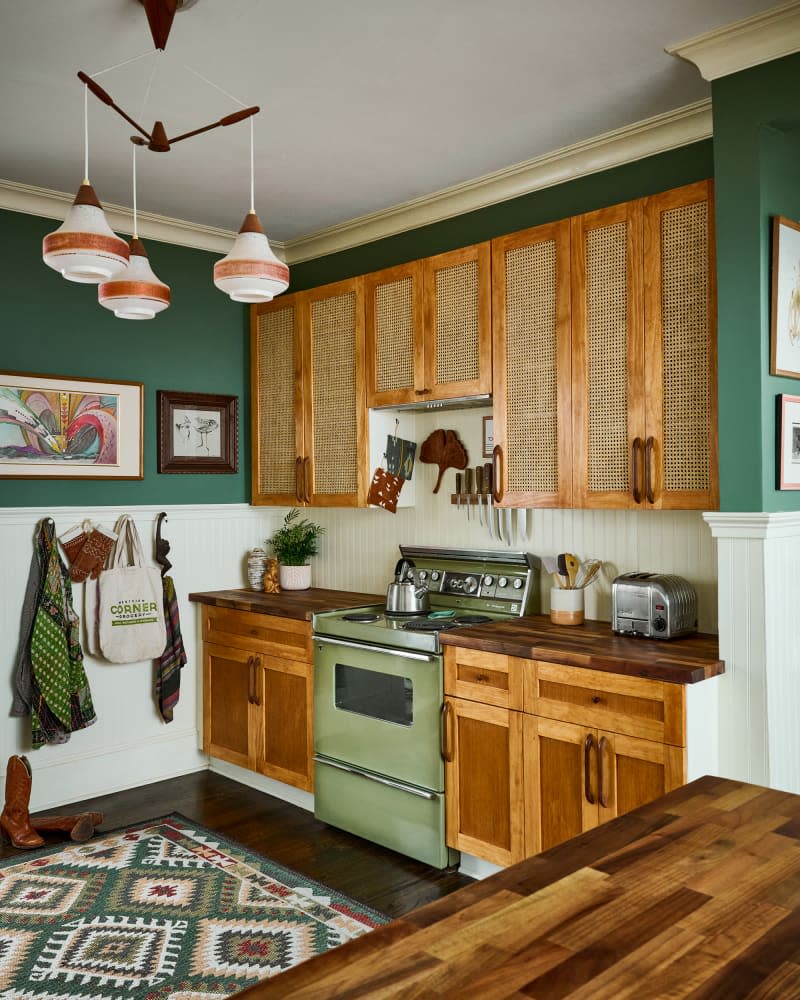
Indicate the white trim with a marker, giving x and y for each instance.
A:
(612, 149)
(177, 512)
(758, 39)
(261, 783)
(753, 525)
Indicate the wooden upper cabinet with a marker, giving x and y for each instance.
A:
(680, 310)
(276, 364)
(531, 367)
(428, 328)
(336, 447)
(309, 416)
(395, 365)
(644, 353)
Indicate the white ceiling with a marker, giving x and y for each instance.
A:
(364, 103)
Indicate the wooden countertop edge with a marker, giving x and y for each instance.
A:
(288, 604)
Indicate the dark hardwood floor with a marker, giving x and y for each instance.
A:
(390, 883)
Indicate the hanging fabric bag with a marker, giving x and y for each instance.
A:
(131, 613)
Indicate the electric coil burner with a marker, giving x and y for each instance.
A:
(379, 690)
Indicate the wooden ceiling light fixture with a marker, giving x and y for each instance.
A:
(85, 249)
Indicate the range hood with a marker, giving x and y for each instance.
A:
(459, 403)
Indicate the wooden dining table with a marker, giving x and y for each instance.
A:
(695, 895)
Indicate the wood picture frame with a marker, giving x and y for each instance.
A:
(788, 442)
(785, 301)
(66, 427)
(197, 432)
(488, 437)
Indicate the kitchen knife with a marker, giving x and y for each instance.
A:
(468, 489)
(459, 484)
(487, 489)
(479, 490)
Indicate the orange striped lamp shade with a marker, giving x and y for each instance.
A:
(137, 294)
(84, 248)
(251, 272)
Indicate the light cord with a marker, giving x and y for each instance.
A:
(216, 86)
(85, 134)
(127, 62)
(252, 172)
(135, 225)
(149, 84)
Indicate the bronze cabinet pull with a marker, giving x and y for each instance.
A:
(601, 780)
(648, 470)
(588, 743)
(446, 715)
(298, 479)
(497, 474)
(306, 489)
(250, 675)
(256, 675)
(635, 488)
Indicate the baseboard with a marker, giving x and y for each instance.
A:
(295, 796)
(476, 867)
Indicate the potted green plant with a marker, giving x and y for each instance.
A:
(293, 544)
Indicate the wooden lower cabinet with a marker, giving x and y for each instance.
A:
(257, 702)
(518, 782)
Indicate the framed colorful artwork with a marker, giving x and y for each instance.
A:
(61, 427)
(789, 442)
(197, 432)
(785, 311)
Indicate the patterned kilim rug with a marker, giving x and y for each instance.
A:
(164, 910)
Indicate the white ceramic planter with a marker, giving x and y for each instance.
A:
(295, 577)
(566, 606)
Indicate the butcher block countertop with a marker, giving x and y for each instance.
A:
(694, 895)
(299, 604)
(686, 660)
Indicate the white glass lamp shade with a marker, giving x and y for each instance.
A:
(138, 294)
(84, 248)
(251, 272)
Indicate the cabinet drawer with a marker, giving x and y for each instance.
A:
(631, 706)
(284, 637)
(490, 678)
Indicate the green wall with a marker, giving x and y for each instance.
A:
(633, 180)
(757, 174)
(199, 344)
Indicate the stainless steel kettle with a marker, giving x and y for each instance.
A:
(407, 596)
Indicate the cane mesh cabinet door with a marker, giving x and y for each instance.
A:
(335, 472)
(531, 367)
(276, 363)
(458, 338)
(607, 356)
(393, 302)
(680, 436)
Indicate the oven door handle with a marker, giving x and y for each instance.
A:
(430, 796)
(405, 654)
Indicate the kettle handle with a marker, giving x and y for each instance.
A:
(401, 567)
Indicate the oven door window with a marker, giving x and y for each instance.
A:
(387, 697)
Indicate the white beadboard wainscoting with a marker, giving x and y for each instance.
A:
(129, 745)
(759, 637)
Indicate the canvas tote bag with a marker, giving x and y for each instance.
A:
(131, 607)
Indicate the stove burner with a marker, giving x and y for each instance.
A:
(471, 620)
(361, 616)
(427, 625)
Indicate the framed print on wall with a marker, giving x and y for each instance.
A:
(197, 432)
(785, 309)
(61, 427)
(789, 442)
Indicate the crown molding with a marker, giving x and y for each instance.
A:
(758, 39)
(611, 149)
(49, 204)
(759, 524)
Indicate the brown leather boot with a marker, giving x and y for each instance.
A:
(80, 826)
(14, 819)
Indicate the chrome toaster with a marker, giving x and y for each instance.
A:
(653, 605)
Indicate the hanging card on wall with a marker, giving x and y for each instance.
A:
(400, 456)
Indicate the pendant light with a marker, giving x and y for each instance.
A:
(251, 272)
(137, 294)
(84, 248)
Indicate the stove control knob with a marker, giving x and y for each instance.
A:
(519, 583)
(488, 581)
(502, 582)
(423, 574)
(435, 575)
(470, 585)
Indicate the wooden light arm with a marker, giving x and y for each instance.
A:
(106, 98)
(232, 119)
